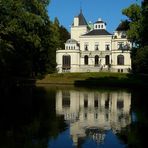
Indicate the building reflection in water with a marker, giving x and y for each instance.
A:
(92, 114)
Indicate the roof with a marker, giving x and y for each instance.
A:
(99, 22)
(71, 41)
(98, 32)
(123, 26)
(82, 20)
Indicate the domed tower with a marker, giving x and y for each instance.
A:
(100, 24)
(71, 44)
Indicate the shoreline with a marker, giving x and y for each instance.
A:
(96, 80)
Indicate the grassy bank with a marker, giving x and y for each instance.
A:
(71, 78)
(96, 79)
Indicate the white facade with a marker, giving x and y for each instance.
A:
(93, 113)
(94, 49)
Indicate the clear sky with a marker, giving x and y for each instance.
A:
(109, 10)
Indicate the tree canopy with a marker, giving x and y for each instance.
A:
(28, 39)
(138, 34)
(133, 13)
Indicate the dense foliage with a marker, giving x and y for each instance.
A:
(138, 34)
(134, 15)
(28, 39)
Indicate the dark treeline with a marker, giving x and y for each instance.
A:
(28, 39)
(138, 35)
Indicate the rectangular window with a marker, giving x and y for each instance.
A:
(85, 100)
(96, 103)
(120, 104)
(86, 46)
(96, 46)
(96, 115)
(65, 99)
(107, 47)
(66, 63)
(85, 103)
(107, 102)
(85, 115)
(120, 45)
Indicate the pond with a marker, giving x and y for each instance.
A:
(67, 116)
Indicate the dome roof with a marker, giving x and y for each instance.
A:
(99, 21)
(71, 41)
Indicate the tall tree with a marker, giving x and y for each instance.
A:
(25, 35)
(134, 18)
(64, 36)
(144, 27)
(138, 33)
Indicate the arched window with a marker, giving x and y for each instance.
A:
(107, 60)
(120, 60)
(66, 61)
(86, 60)
(96, 60)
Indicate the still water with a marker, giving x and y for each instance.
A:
(66, 117)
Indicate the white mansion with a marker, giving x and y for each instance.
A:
(92, 48)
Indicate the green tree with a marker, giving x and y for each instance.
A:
(134, 18)
(25, 35)
(54, 43)
(138, 34)
(64, 36)
(140, 60)
(58, 37)
(144, 26)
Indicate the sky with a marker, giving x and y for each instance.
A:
(109, 10)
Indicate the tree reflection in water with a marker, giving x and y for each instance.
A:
(28, 117)
(135, 135)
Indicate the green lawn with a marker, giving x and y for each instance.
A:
(70, 78)
(96, 79)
